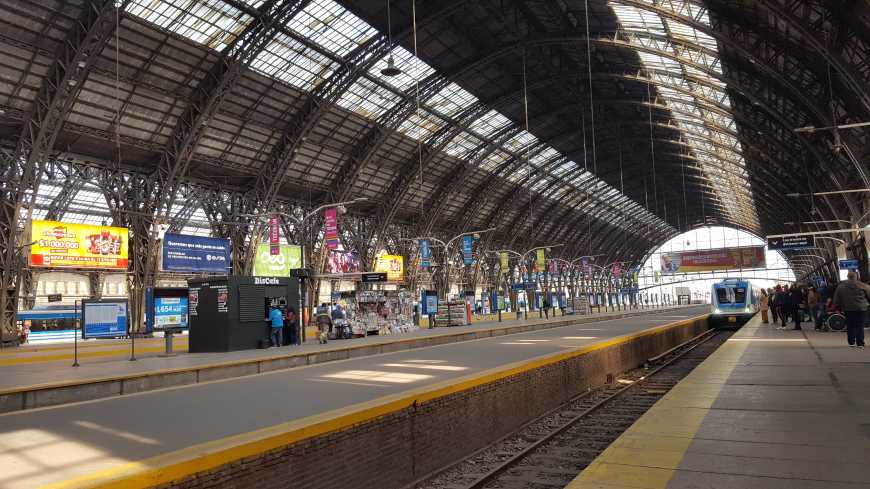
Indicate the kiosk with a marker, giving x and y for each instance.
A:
(231, 313)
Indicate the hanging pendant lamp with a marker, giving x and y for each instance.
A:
(391, 69)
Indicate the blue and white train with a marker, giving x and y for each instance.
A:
(734, 302)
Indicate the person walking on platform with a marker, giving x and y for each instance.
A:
(773, 303)
(797, 301)
(813, 307)
(783, 305)
(763, 305)
(546, 306)
(276, 318)
(851, 297)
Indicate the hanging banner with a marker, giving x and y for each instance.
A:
(331, 228)
(274, 235)
(504, 261)
(541, 261)
(186, 253)
(393, 266)
(68, 245)
(268, 265)
(586, 266)
(425, 254)
(343, 262)
(709, 260)
(616, 270)
(468, 249)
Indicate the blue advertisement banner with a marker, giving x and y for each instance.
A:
(429, 302)
(104, 318)
(468, 249)
(170, 312)
(185, 253)
(425, 254)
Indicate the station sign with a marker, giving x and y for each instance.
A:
(55, 297)
(785, 243)
(848, 264)
(374, 278)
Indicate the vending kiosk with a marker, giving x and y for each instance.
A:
(231, 313)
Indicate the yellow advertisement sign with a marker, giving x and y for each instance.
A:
(393, 266)
(541, 260)
(69, 245)
(504, 261)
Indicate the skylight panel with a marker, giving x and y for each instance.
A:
(494, 160)
(368, 99)
(544, 156)
(294, 63)
(332, 26)
(462, 145)
(490, 123)
(451, 99)
(421, 126)
(213, 23)
(520, 141)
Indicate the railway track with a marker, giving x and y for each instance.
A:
(552, 450)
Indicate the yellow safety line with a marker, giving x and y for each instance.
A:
(97, 380)
(205, 456)
(85, 354)
(625, 465)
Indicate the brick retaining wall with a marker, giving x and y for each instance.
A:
(398, 449)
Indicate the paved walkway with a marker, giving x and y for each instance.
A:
(769, 410)
(54, 444)
(25, 368)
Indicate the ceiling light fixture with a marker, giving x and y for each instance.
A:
(391, 69)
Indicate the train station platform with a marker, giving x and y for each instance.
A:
(43, 376)
(160, 436)
(770, 409)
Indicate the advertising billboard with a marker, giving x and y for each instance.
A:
(393, 266)
(330, 231)
(185, 253)
(268, 265)
(343, 262)
(104, 318)
(425, 254)
(710, 260)
(468, 250)
(170, 313)
(69, 245)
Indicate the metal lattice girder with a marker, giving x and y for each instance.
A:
(213, 88)
(42, 124)
(61, 202)
(182, 216)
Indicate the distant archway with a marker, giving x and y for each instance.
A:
(654, 281)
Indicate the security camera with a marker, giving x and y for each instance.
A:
(341, 210)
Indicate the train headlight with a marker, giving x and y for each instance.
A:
(748, 309)
(717, 311)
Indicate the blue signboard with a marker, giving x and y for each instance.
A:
(425, 254)
(104, 318)
(184, 253)
(467, 249)
(848, 264)
(790, 242)
(170, 312)
(430, 302)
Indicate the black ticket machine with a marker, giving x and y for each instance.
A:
(231, 313)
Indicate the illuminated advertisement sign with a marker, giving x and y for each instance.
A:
(393, 266)
(68, 245)
(170, 312)
(184, 253)
(268, 265)
(709, 260)
(343, 262)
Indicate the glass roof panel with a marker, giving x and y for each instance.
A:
(413, 70)
(213, 23)
(291, 61)
(332, 26)
(368, 99)
(490, 123)
(450, 100)
(684, 64)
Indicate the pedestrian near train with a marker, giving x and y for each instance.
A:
(774, 304)
(798, 302)
(813, 307)
(851, 297)
(763, 305)
(783, 306)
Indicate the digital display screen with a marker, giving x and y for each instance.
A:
(170, 312)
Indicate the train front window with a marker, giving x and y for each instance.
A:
(725, 296)
(740, 296)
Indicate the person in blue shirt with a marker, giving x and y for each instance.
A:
(276, 318)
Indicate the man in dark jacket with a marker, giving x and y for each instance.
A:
(783, 305)
(772, 304)
(797, 300)
(851, 298)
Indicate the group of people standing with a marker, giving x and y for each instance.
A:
(789, 303)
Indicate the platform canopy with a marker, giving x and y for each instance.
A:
(610, 126)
